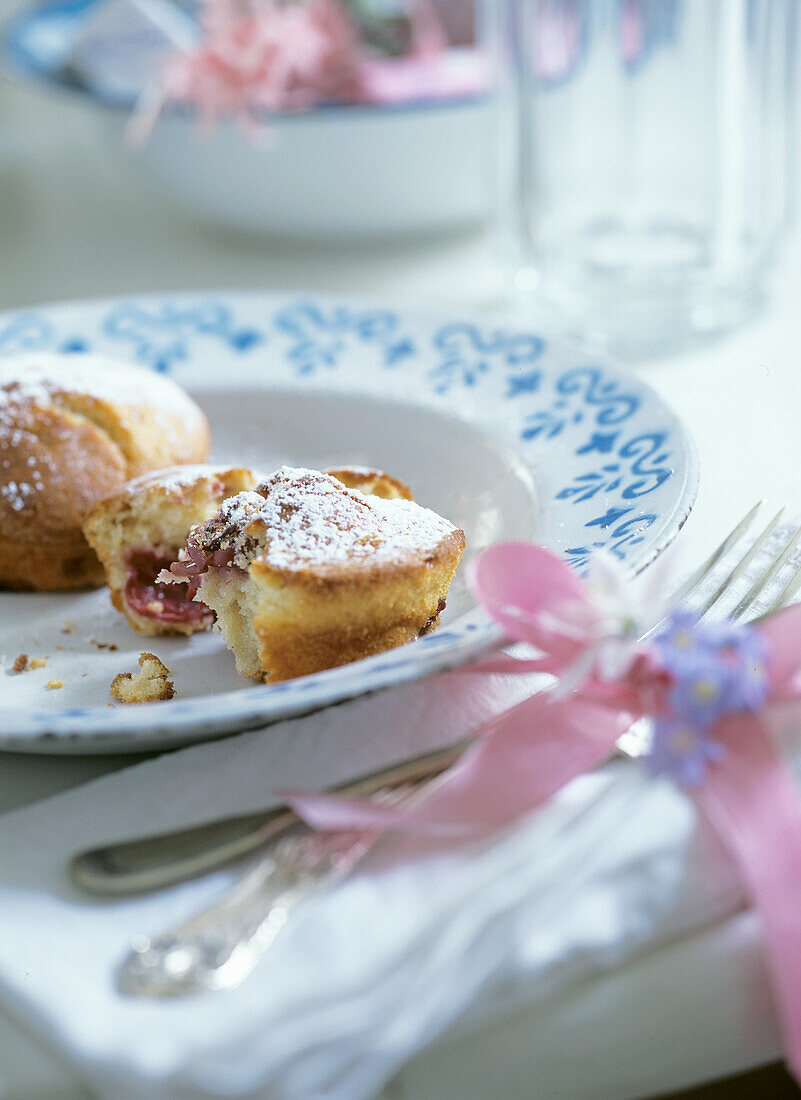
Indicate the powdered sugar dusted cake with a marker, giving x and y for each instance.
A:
(72, 429)
(304, 573)
(140, 529)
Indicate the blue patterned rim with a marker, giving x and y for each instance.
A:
(617, 468)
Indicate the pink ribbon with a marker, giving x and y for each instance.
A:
(753, 803)
(518, 761)
(523, 757)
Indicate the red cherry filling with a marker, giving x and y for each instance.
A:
(198, 560)
(166, 603)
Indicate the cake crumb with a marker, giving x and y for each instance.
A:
(53, 685)
(103, 645)
(67, 627)
(24, 663)
(150, 685)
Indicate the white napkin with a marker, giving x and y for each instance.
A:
(370, 974)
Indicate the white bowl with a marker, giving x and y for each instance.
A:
(331, 172)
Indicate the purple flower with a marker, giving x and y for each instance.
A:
(682, 641)
(717, 667)
(747, 656)
(682, 752)
(701, 691)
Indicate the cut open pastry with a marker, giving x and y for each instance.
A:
(305, 574)
(141, 529)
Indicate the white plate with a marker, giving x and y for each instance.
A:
(505, 434)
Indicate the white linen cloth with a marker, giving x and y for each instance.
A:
(368, 975)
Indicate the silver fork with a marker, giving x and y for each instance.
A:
(218, 947)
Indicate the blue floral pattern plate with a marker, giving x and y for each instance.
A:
(503, 432)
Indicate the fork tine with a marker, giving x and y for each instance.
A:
(706, 567)
(740, 567)
(786, 594)
(761, 583)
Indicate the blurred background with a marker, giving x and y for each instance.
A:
(82, 213)
(618, 171)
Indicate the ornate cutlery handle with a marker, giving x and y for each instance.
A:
(220, 946)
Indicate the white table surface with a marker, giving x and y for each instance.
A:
(75, 223)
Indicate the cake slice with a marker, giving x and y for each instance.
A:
(305, 574)
(142, 528)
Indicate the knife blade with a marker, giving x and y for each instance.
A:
(156, 861)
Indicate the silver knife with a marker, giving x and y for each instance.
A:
(154, 862)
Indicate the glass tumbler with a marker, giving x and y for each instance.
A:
(645, 162)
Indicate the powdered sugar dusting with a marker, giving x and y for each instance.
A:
(301, 517)
(16, 493)
(42, 376)
(40, 380)
(19, 493)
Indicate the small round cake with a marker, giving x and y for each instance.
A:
(72, 429)
(304, 573)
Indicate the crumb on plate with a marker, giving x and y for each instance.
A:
(53, 685)
(151, 684)
(24, 663)
(104, 645)
(67, 627)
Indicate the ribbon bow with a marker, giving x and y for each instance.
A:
(714, 693)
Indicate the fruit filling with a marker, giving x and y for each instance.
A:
(149, 597)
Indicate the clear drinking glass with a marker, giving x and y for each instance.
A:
(646, 161)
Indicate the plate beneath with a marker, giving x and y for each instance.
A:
(502, 432)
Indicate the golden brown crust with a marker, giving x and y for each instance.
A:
(167, 488)
(331, 620)
(64, 447)
(376, 483)
(321, 617)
